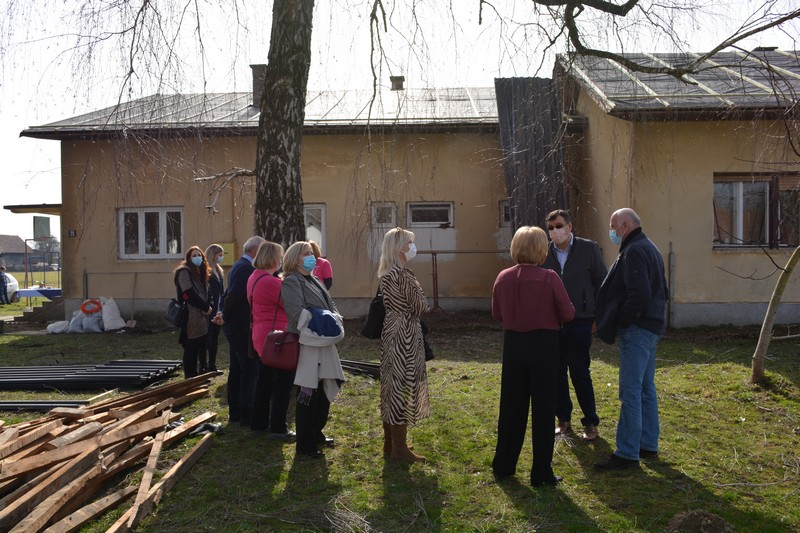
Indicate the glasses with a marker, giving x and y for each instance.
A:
(557, 226)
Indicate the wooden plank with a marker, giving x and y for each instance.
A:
(190, 397)
(22, 506)
(135, 514)
(8, 435)
(43, 512)
(36, 446)
(89, 512)
(150, 468)
(106, 394)
(29, 437)
(174, 389)
(23, 484)
(73, 413)
(81, 433)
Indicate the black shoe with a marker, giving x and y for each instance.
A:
(312, 455)
(615, 462)
(212, 368)
(648, 454)
(289, 436)
(555, 480)
(328, 442)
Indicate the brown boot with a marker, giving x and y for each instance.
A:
(387, 440)
(400, 451)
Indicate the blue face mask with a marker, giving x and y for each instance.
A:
(309, 262)
(616, 239)
(197, 260)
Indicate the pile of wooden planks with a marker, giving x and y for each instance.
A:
(52, 467)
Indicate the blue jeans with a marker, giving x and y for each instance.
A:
(576, 340)
(242, 376)
(638, 418)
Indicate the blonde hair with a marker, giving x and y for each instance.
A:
(211, 251)
(315, 249)
(268, 255)
(292, 255)
(393, 242)
(529, 245)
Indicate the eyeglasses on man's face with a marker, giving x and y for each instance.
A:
(557, 225)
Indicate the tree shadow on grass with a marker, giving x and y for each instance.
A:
(411, 500)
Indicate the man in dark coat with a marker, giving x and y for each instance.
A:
(580, 265)
(632, 303)
(243, 371)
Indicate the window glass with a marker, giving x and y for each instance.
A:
(151, 233)
(430, 214)
(789, 223)
(130, 238)
(384, 214)
(174, 244)
(754, 212)
(314, 215)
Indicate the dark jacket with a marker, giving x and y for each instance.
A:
(634, 291)
(216, 289)
(582, 275)
(235, 308)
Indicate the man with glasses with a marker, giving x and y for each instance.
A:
(579, 263)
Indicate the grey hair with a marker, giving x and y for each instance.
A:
(252, 244)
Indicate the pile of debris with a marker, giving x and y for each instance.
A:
(52, 467)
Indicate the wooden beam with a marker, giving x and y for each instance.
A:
(79, 434)
(89, 512)
(29, 437)
(149, 469)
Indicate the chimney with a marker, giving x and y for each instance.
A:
(259, 77)
(397, 82)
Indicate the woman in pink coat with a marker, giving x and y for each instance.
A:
(274, 387)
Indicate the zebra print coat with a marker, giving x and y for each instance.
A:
(404, 381)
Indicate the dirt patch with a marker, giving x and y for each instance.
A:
(698, 521)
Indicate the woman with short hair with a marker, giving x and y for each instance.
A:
(191, 285)
(532, 303)
(404, 380)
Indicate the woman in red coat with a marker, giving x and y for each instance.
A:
(532, 303)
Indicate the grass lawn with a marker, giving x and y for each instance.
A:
(727, 447)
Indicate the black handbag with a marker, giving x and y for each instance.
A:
(176, 313)
(373, 326)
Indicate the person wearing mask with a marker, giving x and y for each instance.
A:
(274, 386)
(631, 304)
(579, 264)
(243, 371)
(191, 285)
(532, 304)
(301, 290)
(404, 379)
(323, 270)
(216, 287)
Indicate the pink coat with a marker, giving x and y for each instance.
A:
(264, 299)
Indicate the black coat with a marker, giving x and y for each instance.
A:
(582, 275)
(634, 291)
(236, 308)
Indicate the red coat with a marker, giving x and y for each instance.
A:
(527, 297)
(265, 297)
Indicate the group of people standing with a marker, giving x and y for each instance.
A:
(548, 303)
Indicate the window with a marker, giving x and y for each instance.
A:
(314, 215)
(757, 210)
(430, 215)
(505, 213)
(383, 214)
(151, 233)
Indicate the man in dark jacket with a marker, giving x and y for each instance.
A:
(580, 265)
(243, 371)
(632, 303)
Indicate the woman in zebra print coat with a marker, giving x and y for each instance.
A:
(404, 381)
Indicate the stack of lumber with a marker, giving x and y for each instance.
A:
(53, 467)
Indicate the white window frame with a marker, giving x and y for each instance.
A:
(162, 230)
(322, 241)
(410, 206)
(374, 215)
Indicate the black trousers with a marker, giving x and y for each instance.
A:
(212, 346)
(271, 399)
(310, 420)
(192, 348)
(529, 377)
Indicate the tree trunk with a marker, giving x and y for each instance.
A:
(769, 319)
(279, 196)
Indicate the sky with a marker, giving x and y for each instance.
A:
(45, 77)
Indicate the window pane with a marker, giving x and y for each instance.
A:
(174, 245)
(313, 218)
(131, 233)
(384, 215)
(431, 213)
(754, 212)
(151, 233)
(723, 213)
(789, 221)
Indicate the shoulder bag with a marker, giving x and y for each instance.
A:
(281, 348)
(176, 312)
(373, 326)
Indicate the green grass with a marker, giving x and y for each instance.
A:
(727, 447)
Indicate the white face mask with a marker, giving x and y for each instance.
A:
(559, 236)
(412, 251)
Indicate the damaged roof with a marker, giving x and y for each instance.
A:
(234, 113)
(731, 84)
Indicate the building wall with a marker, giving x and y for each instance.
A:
(339, 171)
(665, 171)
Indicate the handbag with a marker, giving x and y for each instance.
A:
(373, 326)
(176, 313)
(281, 348)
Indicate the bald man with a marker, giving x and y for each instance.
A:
(631, 304)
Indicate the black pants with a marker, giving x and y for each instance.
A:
(212, 344)
(192, 348)
(310, 420)
(529, 377)
(576, 340)
(271, 399)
